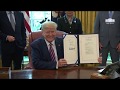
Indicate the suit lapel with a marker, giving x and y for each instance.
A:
(6, 19)
(58, 48)
(16, 17)
(45, 50)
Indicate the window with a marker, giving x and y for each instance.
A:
(37, 18)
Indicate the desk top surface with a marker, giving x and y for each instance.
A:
(62, 73)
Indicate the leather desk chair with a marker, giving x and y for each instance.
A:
(32, 37)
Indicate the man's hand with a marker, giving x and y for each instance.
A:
(100, 58)
(10, 38)
(62, 62)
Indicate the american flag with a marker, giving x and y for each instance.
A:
(27, 22)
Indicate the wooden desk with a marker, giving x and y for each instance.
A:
(63, 73)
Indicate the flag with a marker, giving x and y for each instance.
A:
(27, 22)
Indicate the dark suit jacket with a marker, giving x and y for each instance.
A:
(6, 29)
(108, 32)
(40, 54)
(74, 28)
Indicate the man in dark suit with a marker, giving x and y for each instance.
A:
(41, 56)
(13, 39)
(69, 23)
(107, 25)
(56, 15)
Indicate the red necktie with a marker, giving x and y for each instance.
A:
(52, 53)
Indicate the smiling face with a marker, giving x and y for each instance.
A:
(49, 30)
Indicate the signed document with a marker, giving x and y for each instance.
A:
(70, 49)
(89, 48)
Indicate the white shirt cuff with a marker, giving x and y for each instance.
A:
(57, 65)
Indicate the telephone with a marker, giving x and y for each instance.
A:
(111, 69)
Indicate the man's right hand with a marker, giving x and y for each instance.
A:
(62, 62)
(10, 38)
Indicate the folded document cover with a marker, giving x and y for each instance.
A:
(81, 48)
